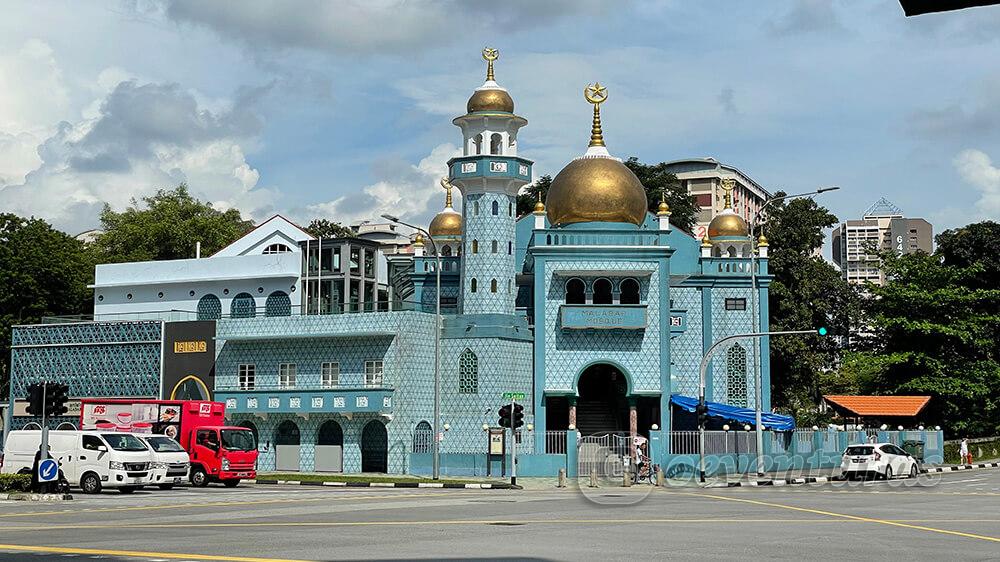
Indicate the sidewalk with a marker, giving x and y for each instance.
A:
(375, 480)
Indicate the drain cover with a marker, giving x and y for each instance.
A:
(506, 524)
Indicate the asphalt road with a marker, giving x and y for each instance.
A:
(955, 516)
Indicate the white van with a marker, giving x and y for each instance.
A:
(171, 462)
(90, 460)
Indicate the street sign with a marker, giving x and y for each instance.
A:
(48, 470)
(513, 396)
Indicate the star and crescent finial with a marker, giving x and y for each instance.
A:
(447, 188)
(489, 55)
(596, 94)
(728, 185)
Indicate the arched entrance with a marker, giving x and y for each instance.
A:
(601, 405)
(330, 448)
(286, 447)
(374, 448)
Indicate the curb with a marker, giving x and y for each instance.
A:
(450, 485)
(38, 497)
(822, 479)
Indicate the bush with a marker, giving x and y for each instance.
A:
(15, 482)
(982, 449)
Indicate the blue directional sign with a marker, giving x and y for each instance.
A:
(48, 470)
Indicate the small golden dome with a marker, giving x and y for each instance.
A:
(762, 241)
(539, 206)
(419, 240)
(706, 243)
(596, 189)
(490, 99)
(727, 224)
(447, 223)
(663, 209)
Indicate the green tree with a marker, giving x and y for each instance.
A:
(977, 243)
(937, 332)
(166, 226)
(43, 272)
(322, 228)
(805, 292)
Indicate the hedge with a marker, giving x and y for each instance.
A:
(982, 449)
(15, 482)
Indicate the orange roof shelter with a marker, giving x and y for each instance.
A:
(877, 406)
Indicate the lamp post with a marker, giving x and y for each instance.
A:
(755, 306)
(437, 344)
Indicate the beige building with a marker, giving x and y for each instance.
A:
(883, 228)
(702, 178)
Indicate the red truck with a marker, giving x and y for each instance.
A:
(219, 453)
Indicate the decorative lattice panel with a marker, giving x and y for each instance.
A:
(727, 323)
(687, 348)
(485, 266)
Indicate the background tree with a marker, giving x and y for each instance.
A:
(167, 228)
(977, 243)
(805, 292)
(654, 178)
(322, 228)
(43, 272)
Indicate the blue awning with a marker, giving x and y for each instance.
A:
(769, 420)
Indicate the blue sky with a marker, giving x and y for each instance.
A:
(337, 109)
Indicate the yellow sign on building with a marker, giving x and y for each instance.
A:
(190, 347)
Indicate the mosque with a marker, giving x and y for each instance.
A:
(593, 306)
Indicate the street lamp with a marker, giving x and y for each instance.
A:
(437, 344)
(755, 306)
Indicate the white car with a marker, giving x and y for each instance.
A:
(170, 461)
(883, 460)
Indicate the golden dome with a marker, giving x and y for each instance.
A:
(663, 209)
(490, 99)
(727, 224)
(449, 221)
(539, 206)
(762, 241)
(419, 240)
(596, 189)
(705, 243)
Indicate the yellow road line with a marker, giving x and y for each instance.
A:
(855, 517)
(138, 553)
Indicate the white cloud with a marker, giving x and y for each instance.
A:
(977, 169)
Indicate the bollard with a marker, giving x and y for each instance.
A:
(661, 481)
(593, 478)
(562, 478)
(626, 478)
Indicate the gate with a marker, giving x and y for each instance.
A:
(329, 448)
(606, 454)
(286, 447)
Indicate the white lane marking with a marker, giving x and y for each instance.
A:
(962, 481)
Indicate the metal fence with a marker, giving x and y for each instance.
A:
(555, 442)
(716, 442)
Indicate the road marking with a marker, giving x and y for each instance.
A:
(961, 481)
(100, 553)
(855, 517)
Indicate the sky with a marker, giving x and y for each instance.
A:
(342, 109)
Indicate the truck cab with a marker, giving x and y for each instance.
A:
(222, 454)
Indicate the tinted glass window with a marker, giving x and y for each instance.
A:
(208, 439)
(164, 445)
(860, 451)
(92, 442)
(124, 442)
(238, 440)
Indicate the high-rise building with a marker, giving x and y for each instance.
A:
(702, 178)
(883, 228)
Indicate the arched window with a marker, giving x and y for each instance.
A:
(252, 427)
(602, 291)
(209, 308)
(576, 292)
(496, 143)
(243, 306)
(494, 246)
(475, 208)
(732, 251)
(493, 286)
(736, 376)
(629, 292)
(472, 285)
(278, 304)
(287, 434)
(446, 251)
(510, 248)
(510, 209)
(475, 246)
(468, 373)
(330, 433)
(479, 143)
(277, 249)
(496, 208)
(423, 438)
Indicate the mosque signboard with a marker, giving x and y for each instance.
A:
(600, 317)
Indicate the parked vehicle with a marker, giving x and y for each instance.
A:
(171, 462)
(218, 453)
(90, 460)
(883, 460)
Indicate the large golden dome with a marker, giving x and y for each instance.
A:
(596, 189)
(727, 224)
(490, 99)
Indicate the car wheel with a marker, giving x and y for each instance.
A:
(198, 478)
(126, 489)
(90, 483)
(166, 486)
(913, 470)
(232, 483)
(888, 473)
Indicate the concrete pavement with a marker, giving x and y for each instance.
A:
(954, 515)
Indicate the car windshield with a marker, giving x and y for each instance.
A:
(164, 445)
(238, 440)
(860, 450)
(124, 442)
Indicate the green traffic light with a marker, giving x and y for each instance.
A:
(821, 331)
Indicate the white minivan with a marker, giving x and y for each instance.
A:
(90, 460)
(171, 462)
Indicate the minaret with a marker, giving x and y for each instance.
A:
(489, 175)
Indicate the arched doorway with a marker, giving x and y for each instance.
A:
(286, 447)
(601, 405)
(374, 447)
(329, 448)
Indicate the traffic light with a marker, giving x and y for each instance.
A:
(518, 415)
(36, 399)
(55, 399)
(822, 331)
(504, 414)
(702, 411)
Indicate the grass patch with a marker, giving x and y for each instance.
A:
(308, 477)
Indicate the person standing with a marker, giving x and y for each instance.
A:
(963, 451)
